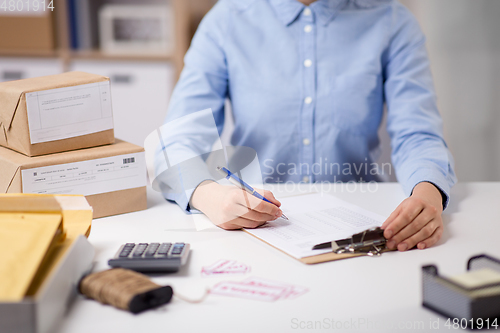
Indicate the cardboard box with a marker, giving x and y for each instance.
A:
(27, 32)
(56, 113)
(112, 177)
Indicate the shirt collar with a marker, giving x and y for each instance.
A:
(325, 10)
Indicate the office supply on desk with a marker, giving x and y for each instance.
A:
(235, 180)
(225, 267)
(153, 257)
(316, 218)
(44, 254)
(26, 239)
(371, 241)
(34, 228)
(125, 289)
(472, 299)
(258, 289)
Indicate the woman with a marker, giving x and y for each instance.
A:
(307, 81)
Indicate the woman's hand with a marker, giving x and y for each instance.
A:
(231, 208)
(417, 220)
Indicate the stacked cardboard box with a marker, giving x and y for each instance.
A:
(57, 137)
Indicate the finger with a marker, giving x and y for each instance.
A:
(240, 223)
(228, 226)
(253, 203)
(237, 207)
(411, 229)
(245, 223)
(423, 234)
(270, 196)
(233, 211)
(405, 216)
(389, 220)
(258, 216)
(436, 236)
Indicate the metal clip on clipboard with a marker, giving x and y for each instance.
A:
(371, 242)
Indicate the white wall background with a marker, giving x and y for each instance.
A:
(463, 40)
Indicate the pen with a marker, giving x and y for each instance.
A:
(235, 180)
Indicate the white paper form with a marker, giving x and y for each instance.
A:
(62, 113)
(90, 177)
(314, 218)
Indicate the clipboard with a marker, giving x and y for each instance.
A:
(359, 244)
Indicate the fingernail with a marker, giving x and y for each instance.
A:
(391, 244)
(389, 233)
(421, 246)
(403, 247)
(278, 213)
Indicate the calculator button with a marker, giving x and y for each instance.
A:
(125, 252)
(152, 249)
(163, 249)
(178, 247)
(139, 250)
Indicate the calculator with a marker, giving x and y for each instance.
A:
(151, 257)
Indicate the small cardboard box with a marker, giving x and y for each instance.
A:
(56, 113)
(112, 177)
(27, 32)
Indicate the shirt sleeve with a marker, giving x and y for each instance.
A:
(419, 152)
(188, 135)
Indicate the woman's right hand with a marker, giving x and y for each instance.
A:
(232, 208)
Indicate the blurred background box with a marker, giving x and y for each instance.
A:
(27, 29)
(136, 29)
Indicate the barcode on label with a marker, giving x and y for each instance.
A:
(129, 160)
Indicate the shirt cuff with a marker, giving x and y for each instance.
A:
(182, 200)
(428, 175)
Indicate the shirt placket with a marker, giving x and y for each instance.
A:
(308, 57)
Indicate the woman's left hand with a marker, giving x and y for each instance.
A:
(417, 220)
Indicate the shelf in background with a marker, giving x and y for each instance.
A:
(99, 55)
(30, 53)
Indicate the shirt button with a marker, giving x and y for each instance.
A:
(305, 179)
(306, 142)
(308, 63)
(307, 12)
(308, 100)
(308, 28)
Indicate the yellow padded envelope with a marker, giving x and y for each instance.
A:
(77, 219)
(76, 215)
(25, 239)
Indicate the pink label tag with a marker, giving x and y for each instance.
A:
(237, 289)
(225, 267)
(259, 289)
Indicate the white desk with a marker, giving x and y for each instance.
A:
(385, 291)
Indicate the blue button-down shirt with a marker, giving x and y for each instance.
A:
(307, 85)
